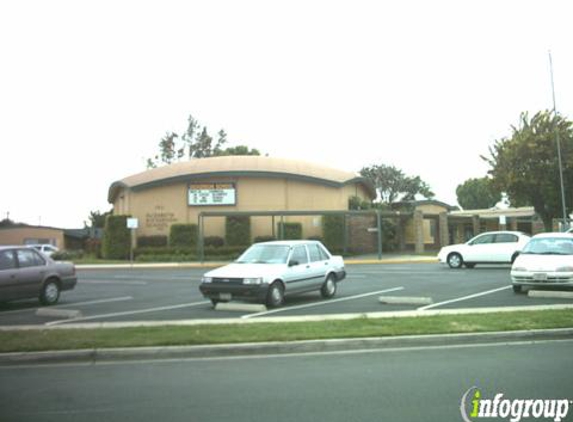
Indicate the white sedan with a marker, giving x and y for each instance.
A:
(547, 260)
(267, 272)
(501, 247)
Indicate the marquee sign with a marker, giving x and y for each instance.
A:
(212, 194)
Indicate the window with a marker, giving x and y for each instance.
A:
(482, 240)
(299, 255)
(316, 253)
(7, 260)
(29, 258)
(506, 238)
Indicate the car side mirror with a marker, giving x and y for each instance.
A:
(292, 263)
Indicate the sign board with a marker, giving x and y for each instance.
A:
(204, 194)
(132, 223)
(502, 220)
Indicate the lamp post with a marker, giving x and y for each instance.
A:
(558, 141)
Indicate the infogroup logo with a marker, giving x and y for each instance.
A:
(474, 407)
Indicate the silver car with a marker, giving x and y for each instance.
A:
(27, 273)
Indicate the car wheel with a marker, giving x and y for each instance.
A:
(328, 289)
(50, 293)
(517, 288)
(455, 260)
(216, 301)
(275, 295)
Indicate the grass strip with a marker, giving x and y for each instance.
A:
(70, 339)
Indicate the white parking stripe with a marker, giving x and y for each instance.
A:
(116, 283)
(326, 302)
(137, 312)
(67, 305)
(461, 299)
(97, 302)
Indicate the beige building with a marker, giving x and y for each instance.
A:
(178, 193)
(21, 234)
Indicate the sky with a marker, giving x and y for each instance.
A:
(88, 88)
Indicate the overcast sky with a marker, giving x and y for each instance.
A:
(88, 88)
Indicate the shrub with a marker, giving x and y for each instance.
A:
(162, 251)
(157, 240)
(389, 236)
(290, 231)
(214, 241)
(237, 231)
(183, 235)
(93, 247)
(66, 255)
(333, 232)
(260, 239)
(116, 240)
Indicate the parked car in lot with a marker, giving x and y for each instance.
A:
(486, 248)
(45, 249)
(268, 272)
(547, 260)
(27, 273)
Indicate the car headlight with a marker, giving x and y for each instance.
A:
(207, 280)
(254, 280)
(564, 269)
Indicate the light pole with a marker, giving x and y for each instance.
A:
(558, 141)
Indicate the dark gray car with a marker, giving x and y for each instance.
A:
(27, 273)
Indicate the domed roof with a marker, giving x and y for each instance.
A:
(237, 166)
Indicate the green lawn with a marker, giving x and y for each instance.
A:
(64, 339)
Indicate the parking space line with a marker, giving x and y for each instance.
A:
(461, 299)
(125, 313)
(325, 302)
(97, 302)
(117, 283)
(67, 305)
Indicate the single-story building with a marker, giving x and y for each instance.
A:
(180, 192)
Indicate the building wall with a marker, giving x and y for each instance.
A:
(159, 207)
(32, 235)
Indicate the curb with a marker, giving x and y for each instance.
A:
(93, 356)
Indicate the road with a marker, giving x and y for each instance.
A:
(173, 294)
(417, 384)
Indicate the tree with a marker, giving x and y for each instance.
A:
(7, 223)
(239, 150)
(194, 143)
(97, 219)
(526, 165)
(478, 194)
(393, 185)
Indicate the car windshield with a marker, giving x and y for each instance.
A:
(265, 254)
(549, 246)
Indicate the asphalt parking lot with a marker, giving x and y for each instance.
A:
(120, 295)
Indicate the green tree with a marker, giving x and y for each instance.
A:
(194, 143)
(97, 219)
(479, 193)
(526, 164)
(393, 185)
(239, 150)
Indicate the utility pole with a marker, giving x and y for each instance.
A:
(558, 141)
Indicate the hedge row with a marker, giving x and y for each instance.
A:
(209, 251)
